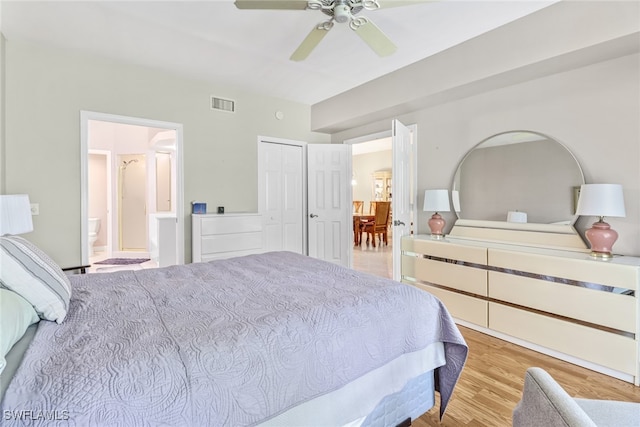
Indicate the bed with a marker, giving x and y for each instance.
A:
(269, 339)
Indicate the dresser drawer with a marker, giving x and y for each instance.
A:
(460, 306)
(444, 249)
(231, 243)
(579, 268)
(459, 277)
(230, 224)
(603, 348)
(601, 308)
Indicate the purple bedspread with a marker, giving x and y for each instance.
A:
(231, 342)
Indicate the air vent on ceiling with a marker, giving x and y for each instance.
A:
(221, 104)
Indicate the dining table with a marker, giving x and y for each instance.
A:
(358, 220)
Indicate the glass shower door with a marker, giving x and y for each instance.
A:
(132, 200)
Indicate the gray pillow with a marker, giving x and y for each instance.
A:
(29, 272)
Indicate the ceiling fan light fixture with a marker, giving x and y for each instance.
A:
(342, 13)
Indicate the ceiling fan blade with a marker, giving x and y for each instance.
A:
(311, 41)
(373, 36)
(272, 4)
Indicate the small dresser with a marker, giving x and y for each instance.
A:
(217, 236)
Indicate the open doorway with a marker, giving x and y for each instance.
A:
(372, 186)
(399, 188)
(131, 188)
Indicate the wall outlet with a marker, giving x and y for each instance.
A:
(35, 208)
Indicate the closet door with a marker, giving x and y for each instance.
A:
(281, 196)
(329, 202)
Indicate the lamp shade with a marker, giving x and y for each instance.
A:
(15, 214)
(436, 201)
(601, 200)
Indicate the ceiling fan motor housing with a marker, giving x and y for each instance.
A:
(342, 13)
(341, 10)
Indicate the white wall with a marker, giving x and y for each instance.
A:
(47, 89)
(570, 71)
(561, 37)
(364, 165)
(3, 156)
(593, 110)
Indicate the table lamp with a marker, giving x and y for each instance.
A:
(436, 201)
(15, 214)
(601, 200)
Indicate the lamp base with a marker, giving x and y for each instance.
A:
(601, 255)
(436, 224)
(601, 237)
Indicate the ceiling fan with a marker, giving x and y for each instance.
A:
(341, 11)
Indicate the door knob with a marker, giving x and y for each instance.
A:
(313, 216)
(398, 222)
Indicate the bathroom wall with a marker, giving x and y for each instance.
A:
(162, 172)
(98, 195)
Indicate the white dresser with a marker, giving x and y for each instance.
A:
(216, 236)
(559, 302)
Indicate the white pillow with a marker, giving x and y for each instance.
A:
(16, 314)
(29, 272)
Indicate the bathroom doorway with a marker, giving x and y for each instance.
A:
(132, 175)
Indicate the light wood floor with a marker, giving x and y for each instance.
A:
(492, 380)
(377, 261)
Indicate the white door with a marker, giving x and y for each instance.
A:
(281, 193)
(329, 202)
(403, 190)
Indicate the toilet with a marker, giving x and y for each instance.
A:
(94, 227)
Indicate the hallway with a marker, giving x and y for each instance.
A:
(377, 261)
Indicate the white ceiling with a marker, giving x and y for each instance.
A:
(214, 41)
(382, 144)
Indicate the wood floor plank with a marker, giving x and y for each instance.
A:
(491, 383)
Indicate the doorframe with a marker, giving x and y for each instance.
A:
(85, 116)
(261, 196)
(414, 151)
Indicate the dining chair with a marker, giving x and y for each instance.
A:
(379, 225)
(358, 206)
(372, 208)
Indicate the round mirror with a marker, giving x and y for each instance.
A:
(518, 177)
